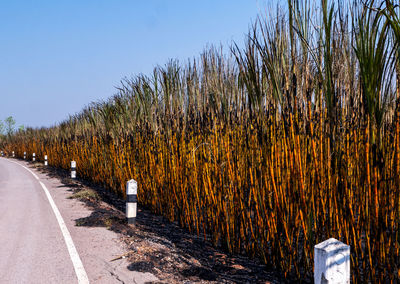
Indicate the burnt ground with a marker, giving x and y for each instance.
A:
(160, 247)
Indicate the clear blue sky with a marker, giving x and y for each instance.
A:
(58, 56)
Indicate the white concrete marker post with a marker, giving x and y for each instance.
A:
(45, 160)
(73, 169)
(33, 157)
(331, 262)
(131, 201)
(24, 155)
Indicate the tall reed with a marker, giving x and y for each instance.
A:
(267, 150)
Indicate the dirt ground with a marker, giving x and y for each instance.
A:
(160, 247)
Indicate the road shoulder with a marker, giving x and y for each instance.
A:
(99, 247)
(155, 251)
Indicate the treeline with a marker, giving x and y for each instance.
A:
(8, 126)
(268, 150)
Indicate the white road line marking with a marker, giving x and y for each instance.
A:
(73, 253)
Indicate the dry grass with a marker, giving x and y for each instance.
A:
(85, 194)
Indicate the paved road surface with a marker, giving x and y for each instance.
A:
(32, 246)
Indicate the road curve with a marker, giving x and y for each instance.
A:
(32, 246)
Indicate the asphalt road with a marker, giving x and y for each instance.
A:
(34, 247)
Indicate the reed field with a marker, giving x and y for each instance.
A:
(266, 149)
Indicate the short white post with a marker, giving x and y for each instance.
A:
(33, 157)
(73, 169)
(2, 154)
(131, 201)
(45, 160)
(24, 155)
(13, 154)
(331, 262)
